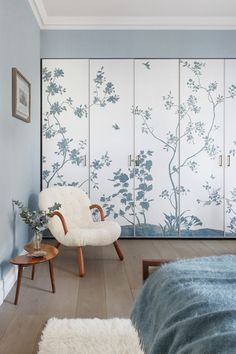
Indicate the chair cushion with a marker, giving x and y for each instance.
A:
(82, 230)
(99, 233)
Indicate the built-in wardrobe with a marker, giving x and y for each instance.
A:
(152, 141)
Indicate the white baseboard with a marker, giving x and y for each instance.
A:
(8, 281)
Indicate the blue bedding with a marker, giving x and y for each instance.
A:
(189, 307)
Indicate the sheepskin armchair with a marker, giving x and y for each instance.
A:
(73, 225)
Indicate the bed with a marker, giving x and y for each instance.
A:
(188, 307)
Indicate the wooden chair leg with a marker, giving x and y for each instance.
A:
(80, 261)
(57, 245)
(118, 250)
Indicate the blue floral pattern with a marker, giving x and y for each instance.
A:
(134, 208)
(104, 93)
(174, 222)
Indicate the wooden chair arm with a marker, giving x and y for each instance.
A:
(61, 217)
(96, 206)
(153, 263)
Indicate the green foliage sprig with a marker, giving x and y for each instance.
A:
(37, 219)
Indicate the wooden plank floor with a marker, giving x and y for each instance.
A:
(108, 289)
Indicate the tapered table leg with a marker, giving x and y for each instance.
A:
(20, 271)
(33, 272)
(52, 275)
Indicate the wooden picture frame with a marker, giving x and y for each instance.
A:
(21, 96)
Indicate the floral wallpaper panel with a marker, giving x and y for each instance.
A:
(157, 147)
(144, 139)
(65, 123)
(201, 130)
(230, 148)
(111, 135)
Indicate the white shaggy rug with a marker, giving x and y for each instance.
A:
(89, 336)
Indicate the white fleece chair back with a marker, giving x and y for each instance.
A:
(74, 207)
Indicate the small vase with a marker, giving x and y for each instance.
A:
(36, 241)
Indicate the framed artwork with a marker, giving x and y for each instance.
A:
(21, 96)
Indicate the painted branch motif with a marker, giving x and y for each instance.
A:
(104, 94)
(121, 202)
(174, 221)
(133, 209)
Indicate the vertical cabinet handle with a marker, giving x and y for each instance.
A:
(84, 160)
(130, 160)
(228, 160)
(220, 160)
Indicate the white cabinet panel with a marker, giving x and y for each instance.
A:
(201, 147)
(111, 139)
(65, 123)
(230, 148)
(175, 118)
(157, 145)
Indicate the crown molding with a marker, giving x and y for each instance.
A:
(128, 22)
(37, 13)
(141, 23)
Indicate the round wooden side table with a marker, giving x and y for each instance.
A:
(27, 260)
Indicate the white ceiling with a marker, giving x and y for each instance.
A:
(135, 14)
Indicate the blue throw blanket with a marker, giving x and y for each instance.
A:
(189, 307)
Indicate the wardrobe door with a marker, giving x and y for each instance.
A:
(230, 148)
(65, 123)
(111, 140)
(201, 148)
(157, 147)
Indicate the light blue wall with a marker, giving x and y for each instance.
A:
(19, 141)
(138, 44)
(20, 47)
